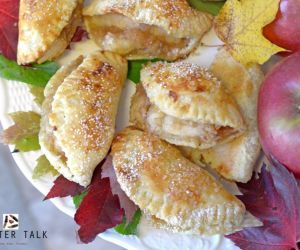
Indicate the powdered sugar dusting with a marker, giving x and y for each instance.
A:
(181, 76)
(163, 183)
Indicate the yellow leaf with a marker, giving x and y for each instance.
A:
(239, 25)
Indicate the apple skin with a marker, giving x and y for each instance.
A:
(284, 31)
(279, 113)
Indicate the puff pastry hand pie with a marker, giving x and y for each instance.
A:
(235, 160)
(168, 29)
(46, 28)
(169, 187)
(79, 113)
(185, 105)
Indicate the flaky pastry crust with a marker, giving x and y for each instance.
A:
(235, 160)
(79, 113)
(46, 28)
(185, 105)
(163, 183)
(167, 29)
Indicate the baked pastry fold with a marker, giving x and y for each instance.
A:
(236, 159)
(164, 184)
(185, 105)
(168, 29)
(79, 113)
(46, 28)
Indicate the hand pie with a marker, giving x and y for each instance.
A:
(166, 185)
(46, 28)
(185, 105)
(79, 113)
(235, 160)
(168, 29)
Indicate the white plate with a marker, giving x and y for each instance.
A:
(15, 96)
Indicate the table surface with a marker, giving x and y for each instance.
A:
(17, 195)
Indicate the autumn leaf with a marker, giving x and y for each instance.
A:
(79, 35)
(63, 187)
(239, 25)
(113, 197)
(274, 199)
(24, 133)
(128, 205)
(43, 167)
(38, 94)
(99, 209)
(9, 16)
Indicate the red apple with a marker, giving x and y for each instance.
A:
(279, 113)
(285, 29)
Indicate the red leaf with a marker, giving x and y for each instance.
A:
(79, 35)
(274, 198)
(63, 187)
(99, 209)
(128, 205)
(9, 17)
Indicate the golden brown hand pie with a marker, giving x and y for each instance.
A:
(185, 105)
(166, 185)
(168, 29)
(46, 28)
(235, 160)
(79, 113)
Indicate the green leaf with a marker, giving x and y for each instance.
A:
(77, 199)
(30, 143)
(210, 7)
(134, 68)
(24, 133)
(38, 94)
(43, 167)
(35, 74)
(131, 228)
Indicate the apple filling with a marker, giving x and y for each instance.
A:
(148, 116)
(184, 132)
(122, 35)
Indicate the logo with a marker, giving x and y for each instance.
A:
(10, 221)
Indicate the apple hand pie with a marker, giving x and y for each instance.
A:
(235, 160)
(185, 105)
(168, 29)
(79, 113)
(164, 184)
(46, 28)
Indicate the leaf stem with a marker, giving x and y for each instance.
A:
(211, 46)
